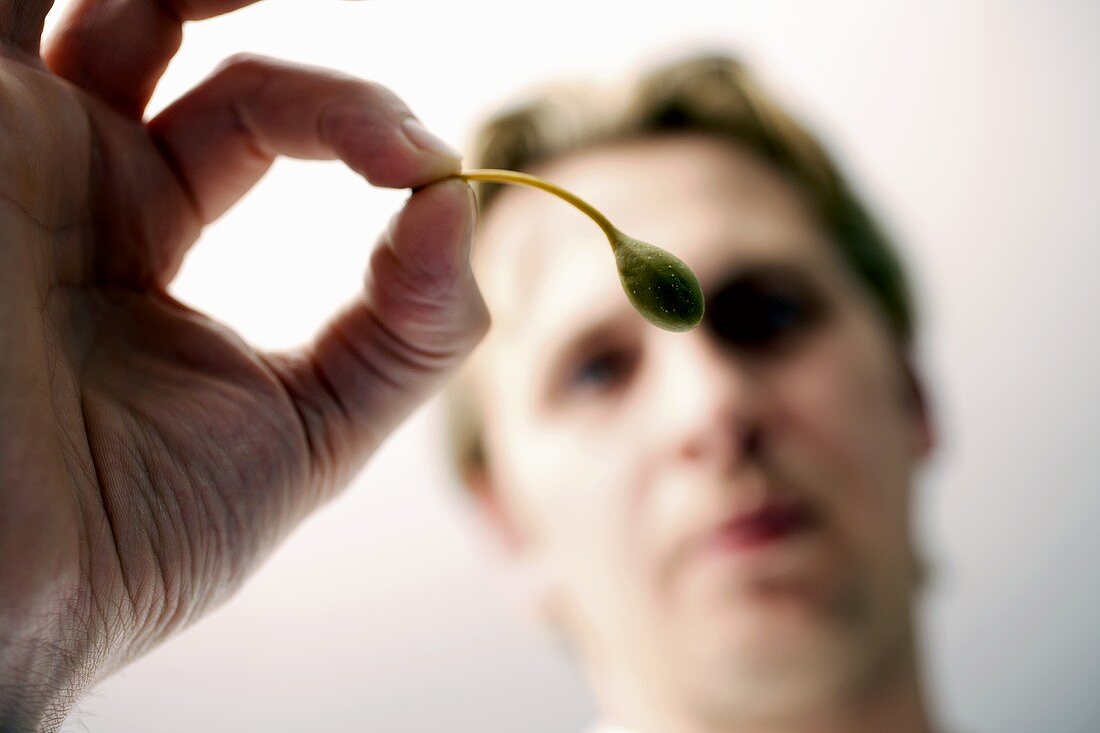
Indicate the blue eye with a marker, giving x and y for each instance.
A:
(601, 371)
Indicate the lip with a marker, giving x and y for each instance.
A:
(769, 525)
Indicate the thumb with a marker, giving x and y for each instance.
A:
(419, 316)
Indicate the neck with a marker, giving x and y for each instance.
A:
(894, 702)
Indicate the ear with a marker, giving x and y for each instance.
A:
(918, 405)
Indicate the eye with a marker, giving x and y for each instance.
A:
(762, 313)
(602, 371)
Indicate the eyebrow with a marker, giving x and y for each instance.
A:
(784, 270)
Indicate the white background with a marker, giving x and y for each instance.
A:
(971, 125)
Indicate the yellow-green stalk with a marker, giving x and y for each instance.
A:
(659, 285)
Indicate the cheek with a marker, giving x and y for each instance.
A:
(846, 432)
(576, 493)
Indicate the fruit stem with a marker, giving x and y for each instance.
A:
(493, 175)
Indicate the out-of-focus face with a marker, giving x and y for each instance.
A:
(720, 516)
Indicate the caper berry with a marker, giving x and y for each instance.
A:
(660, 286)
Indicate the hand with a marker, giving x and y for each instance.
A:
(149, 458)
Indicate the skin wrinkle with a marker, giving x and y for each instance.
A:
(96, 472)
(70, 453)
(424, 287)
(219, 549)
(364, 359)
(48, 228)
(412, 357)
(100, 481)
(329, 388)
(126, 504)
(247, 66)
(253, 141)
(284, 474)
(178, 174)
(172, 532)
(172, 607)
(289, 370)
(254, 68)
(211, 554)
(110, 512)
(81, 603)
(297, 401)
(324, 475)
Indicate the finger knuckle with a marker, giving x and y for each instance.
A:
(245, 64)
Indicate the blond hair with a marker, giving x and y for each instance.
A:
(711, 94)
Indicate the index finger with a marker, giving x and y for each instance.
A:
(118, 49)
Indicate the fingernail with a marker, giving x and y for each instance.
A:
(427, 141)
(474, 210)
(473, 219)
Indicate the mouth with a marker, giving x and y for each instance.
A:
(777, 551)
(769, 525)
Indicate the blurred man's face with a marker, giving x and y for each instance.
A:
(719, 517)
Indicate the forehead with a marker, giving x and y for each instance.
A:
(545, 268)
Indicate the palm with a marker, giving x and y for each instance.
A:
(149, 456)
(155, 449)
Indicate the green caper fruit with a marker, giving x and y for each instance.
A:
(660, 286)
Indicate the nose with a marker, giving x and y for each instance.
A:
(709, 405)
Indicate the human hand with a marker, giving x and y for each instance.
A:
(149, 458)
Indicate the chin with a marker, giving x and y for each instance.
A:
(783, 649)
(772, 661)
(774, 677)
